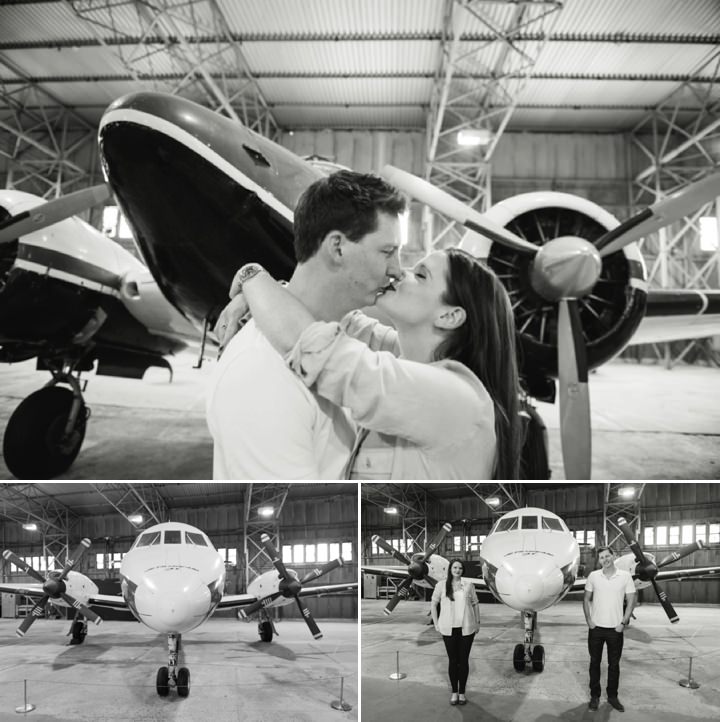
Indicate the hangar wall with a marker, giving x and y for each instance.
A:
(581, 506)
(317, 519)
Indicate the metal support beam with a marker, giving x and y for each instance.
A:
(132, 499)
(510, 495)
(615, 505)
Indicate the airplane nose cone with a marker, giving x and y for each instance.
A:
(172, 604)
(529, 589)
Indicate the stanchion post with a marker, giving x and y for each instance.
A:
(341, 704)
(26, 707)
(397, 674)
(689, 682)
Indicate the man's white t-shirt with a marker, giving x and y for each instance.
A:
(266, 424)
(606, 608)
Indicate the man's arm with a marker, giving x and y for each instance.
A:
(586, 607)
(630, 599)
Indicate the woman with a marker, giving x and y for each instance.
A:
(437, 397)
(458, 624)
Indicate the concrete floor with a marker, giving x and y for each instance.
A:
(233, 676)
(655, 657)
(648, 423)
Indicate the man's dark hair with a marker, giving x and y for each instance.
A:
(344, 201)
(605, 549)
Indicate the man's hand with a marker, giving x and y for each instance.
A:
(620, 627)
(592, 625)
(231, 317)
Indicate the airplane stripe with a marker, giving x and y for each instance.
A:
(48, 261)
(189, 141)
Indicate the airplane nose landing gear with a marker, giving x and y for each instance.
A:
(524, 654)
(171, 676)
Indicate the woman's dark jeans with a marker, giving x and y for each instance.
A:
(458, 651)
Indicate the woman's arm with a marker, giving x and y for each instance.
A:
(371, 332)
(278, 314)
(436, 597)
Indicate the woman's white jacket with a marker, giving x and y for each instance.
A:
(445, 619)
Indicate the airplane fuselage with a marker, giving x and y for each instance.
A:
(171, 583)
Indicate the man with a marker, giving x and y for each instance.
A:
(264, 421)
(605, 590)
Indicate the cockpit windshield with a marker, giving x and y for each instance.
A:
(506, 524)
(529, 522)
(549, 523)
(172, 536)
(149, 538)
(194, 538)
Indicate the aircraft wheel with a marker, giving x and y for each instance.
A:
(33, 446)
(538, 658)
(266, 631)
(161, 682)
(79, 632)
(519, 658)
(183, 681)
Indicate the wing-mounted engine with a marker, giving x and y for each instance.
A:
(609, 313)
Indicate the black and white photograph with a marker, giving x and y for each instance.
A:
(531, 601)
(179, 601)
(352, 239)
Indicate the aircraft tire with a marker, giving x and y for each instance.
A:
(31, 445)
(183, 682)
(519, 658)
(161, 681)
(79, 632)
(538, 658)
(266, 632)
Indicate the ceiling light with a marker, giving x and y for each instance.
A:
(390, 510)
(627, 492)
(492, 501)
(266, 510)
(474, 136)
(135, 518)
(30, 526)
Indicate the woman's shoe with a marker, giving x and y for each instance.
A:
(461, 699)
(454, 698)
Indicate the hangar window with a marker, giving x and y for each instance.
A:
(109, 561)
(172, 536)
(229, 556)
(549, 523)
(148, 539)
(316, 553)
(674, 538)
(661, 536)
(714, 537)
(322, 553)
(701, 533)
(649, 536)
(196, 539)
(687, 533)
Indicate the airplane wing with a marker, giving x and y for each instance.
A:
(337, 589)
(402, 573)
(664, 575)
(35, 591)
(108, 601)
(234, 601)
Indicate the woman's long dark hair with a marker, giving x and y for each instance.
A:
(485, 343)
(448, 581)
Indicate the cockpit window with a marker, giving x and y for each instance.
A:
(507, 524)
(529, 522)
(550, 523)
(172, 537)
(197, 539)
(148, 539)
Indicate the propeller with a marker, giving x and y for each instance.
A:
(417, 567)
(51, 212)
(647, 570)
(290, 586)
(564, 270)
(54, 587)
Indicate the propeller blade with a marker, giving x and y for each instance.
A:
(276, 560)
(453, 208)
(75, 558)
(22, 564)
(85, 611)
(386, 547)
(575, 436)
(663, 597)
(251, 609)
(312, 625)
(37, 611)
(51, 212)
(660, 214)
(437, 541)
(318, 572)
(399, 594)
(681, 553)
(432, 582)
(632, 542)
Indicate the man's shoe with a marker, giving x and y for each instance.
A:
(594, 702)
(615, 702)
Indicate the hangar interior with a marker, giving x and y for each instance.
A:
(232, 665)
(663, 518)
(615, 103)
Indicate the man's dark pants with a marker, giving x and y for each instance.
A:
(614, 640)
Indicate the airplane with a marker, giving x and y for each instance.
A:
(72, 298)
(530, 561)
(172, 580)
(203, 195)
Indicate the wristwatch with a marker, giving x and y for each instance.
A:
(248, 271)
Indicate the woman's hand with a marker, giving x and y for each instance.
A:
(232, 317)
